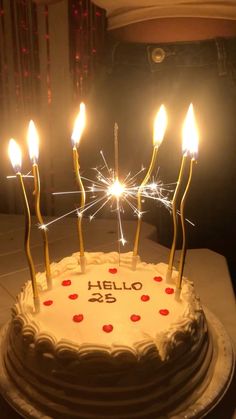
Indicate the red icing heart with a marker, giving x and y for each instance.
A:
(157, 278)
(48, 303)
(73, 296)
(113, 270)
(78, 318)
(145, 298)
(164, 312)
(107, 328)
(135, 317)
(169, 290)
(66, 282)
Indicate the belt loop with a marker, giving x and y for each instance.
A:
(222, 56)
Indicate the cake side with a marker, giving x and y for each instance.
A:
(111, 307)
(156, 353)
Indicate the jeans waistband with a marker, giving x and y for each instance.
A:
(219, 51)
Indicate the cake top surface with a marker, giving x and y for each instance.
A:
(110, 307)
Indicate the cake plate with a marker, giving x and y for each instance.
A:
(223, 358)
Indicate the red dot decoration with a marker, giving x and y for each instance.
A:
(169, 290)
(164, 312)
(66, 282)
(135, 318)
(73, 296)
(77, 318)
(145, 298)
(48, 303)
(107, 328)
(113, 270)
(157, 278)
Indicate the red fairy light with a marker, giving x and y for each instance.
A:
(87, 34)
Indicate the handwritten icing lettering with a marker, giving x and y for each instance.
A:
(109, 298)
(108, 285)
(96, 285)
(116, 287)
(137, 286)
(98, 297)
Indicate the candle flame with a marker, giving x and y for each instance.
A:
(33, 142)
(79, 125)
(116, 189)
(190, 134)
(14, 152)
(160, 124)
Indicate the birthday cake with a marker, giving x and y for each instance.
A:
(110, 343)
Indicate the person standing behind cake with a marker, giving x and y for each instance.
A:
(177, 52)
(174, 52)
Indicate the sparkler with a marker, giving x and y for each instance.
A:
(117, 189)
(104, 189)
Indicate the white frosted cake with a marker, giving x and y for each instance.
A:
(110, 343)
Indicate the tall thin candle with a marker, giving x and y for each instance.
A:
(159, 129)
(15, 157)
(33, 144)
(75, 138)
(191, 139)
(174, 212)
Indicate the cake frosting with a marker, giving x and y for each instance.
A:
(110, 343)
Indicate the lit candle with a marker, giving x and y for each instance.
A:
(75, 138)
(15, 157)
(190, 147)
(159, 129)
(33, 144)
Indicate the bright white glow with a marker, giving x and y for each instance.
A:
(43, 227)
(79, 125)
(79, 214)
(159, 128)
(153, 186)
(116, 189)
(106, 191)
(123, 241)
(33, 142)
(14, 152)
(190, 134)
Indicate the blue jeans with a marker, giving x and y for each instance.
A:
(138, 79)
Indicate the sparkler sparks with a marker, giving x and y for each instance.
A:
(107, 190)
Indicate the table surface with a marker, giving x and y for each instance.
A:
(206, 268)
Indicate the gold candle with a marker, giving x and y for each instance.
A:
(190, 139)
(15, 157)
(76, 136)
(33, 144)
(174, 215)
(159, 128)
